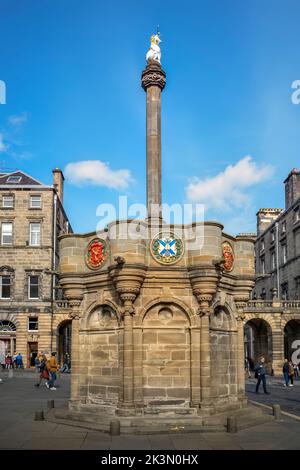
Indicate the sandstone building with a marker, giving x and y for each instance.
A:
(31, 218)
(272, 317)
(277, 248)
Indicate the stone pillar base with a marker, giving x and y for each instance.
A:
(126, 409)
(74, 405)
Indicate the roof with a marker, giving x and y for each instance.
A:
(18, 179)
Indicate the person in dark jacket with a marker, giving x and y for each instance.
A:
(260, 374)
(286, 372)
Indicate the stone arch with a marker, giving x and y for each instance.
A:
(8, 331)
(10, 317)
(223, 318)
(223, 346)
(100, 307)
(167, 301)
(100, 353)
(63, 333)
(166, 353)
(258, 339)
(267, 317)
(291, 332)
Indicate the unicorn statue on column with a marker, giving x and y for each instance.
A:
(154, 54)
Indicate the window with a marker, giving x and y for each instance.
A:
(297, 287)
(33, 287)
(33, 324)
(297, 214)
(283, 227)
(8, 202)
(272, 236)
(273, 264)
(5, 287)
(262, 245)
(284, 253)
(35, 202)
(14, 179)
(35, 234)
(263, 294)
(284, 291)
(6, 233)
(263, 267)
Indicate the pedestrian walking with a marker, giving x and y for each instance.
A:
(66, 364)
(44, 374)
(8, 362)
(296, 370)
(2, 360)
(260, 375)
(286, 373)
(19, 361)
(291, 373)
(52, 369)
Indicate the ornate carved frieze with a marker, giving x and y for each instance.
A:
(153, 75)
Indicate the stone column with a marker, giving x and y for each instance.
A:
(153, 82)
(128, 377)
(12, 349)
(278, 345)
(195, 367)
(205, 363)
(75, 315)
(240, 305)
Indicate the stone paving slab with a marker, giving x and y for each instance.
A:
(19, 399)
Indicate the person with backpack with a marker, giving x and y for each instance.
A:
(52, 367)
(286, 372)
(291, 373)
(44, 374)
(260, 375)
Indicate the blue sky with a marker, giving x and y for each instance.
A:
(230, 130)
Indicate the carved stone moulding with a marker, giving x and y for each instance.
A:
(153, 75)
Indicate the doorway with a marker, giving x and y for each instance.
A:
(32, 353)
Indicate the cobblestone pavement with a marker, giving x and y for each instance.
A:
(19, 399)
(287, 397)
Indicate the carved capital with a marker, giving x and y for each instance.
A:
(75, 315)
(241, 316)
(75, 303)
(153, 75)
(128, 295)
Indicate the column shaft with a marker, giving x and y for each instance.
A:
(205, 365)
(153, 146)
(128, 360)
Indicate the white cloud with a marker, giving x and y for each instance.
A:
(18, 119)
(227, 189)
(97, 173)
(3, 146)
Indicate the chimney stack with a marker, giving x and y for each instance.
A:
(292, 187)
(58, 183)
(265, 217)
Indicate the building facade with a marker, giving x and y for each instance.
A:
(272, 317)
(31, 219)
(277, 247)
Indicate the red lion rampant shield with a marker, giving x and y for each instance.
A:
(96, 253)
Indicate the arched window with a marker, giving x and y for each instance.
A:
(6, 325)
